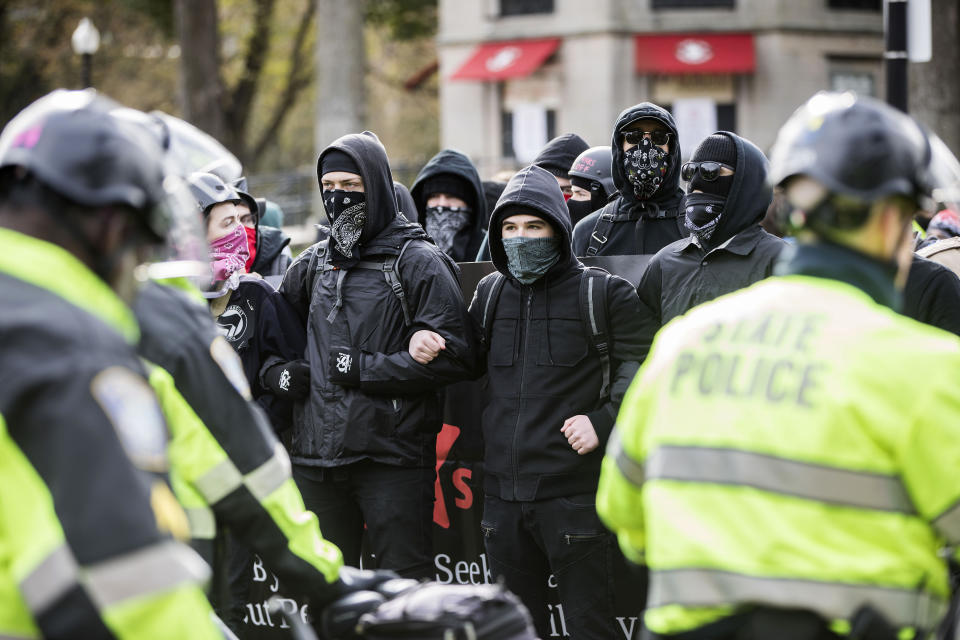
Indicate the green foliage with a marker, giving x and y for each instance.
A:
(404, 19)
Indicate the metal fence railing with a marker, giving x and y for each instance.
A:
(295, 192)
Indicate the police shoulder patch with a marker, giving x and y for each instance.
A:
(132, 408)
(229, 362)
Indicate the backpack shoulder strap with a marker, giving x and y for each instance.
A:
(601, 232)
(391, 274)
(490, 305)
(593, 313)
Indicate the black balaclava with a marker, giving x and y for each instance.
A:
(718, 148)
(580, 209)
(703, 210)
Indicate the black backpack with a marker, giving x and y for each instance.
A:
(593, 314)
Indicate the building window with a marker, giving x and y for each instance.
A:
(693, 4)
(859, 82)
(858, 5)
(506, 129)
(525, 7)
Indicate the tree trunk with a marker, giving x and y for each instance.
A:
(340, 65)
(934, 90)
(201, 85)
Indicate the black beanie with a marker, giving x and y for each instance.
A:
(337, 160)
(450, 184)
(719, 148)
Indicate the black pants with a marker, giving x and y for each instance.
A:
(528, 541)
(395, 503)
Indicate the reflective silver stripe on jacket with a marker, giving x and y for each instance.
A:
(224, 478)
(269, 476)
(832, 600)
(630, 468)
(948, 523)
(861, 489)
(50, 580)
(203, 526)
(219, 481)
(159, 567)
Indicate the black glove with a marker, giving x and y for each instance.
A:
(289, 379)
(344, 366)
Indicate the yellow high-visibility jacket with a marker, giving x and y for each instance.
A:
(794, 444)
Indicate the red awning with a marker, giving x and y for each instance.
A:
(499, 60)
(695, 53)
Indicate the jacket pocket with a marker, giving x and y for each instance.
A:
(563, 344)
(503, 342)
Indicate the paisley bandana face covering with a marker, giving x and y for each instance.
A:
(645, 166)
(348, 209)
(702, 212)
(229, 254)
(529, 258)
(443, 223)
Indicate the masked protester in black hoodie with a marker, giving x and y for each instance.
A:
(364, 443)
(557, 157)
(727, 250)
(450, 204)
(269, 254)
(547, 420)
(646, 170)
(591, 181)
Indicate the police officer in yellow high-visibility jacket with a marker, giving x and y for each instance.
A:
(85, 517)
(785, 463)
(228, 467)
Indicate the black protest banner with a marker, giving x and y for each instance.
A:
(459, 556)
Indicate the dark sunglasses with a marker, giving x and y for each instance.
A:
(656, 137)
(708, 170)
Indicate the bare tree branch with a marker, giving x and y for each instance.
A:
(240, 100)
(298, 78)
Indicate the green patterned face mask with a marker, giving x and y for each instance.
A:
(530, 258)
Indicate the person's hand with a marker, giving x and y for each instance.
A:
(289, 379)
(580, 434)
(425, 345)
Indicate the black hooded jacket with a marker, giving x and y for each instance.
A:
(390, 413)
(559, 153)
(405, 204)
(453, 162)
(541, 364)
(638, 227)
(260, 325)
(270, 259)
(684, 274)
